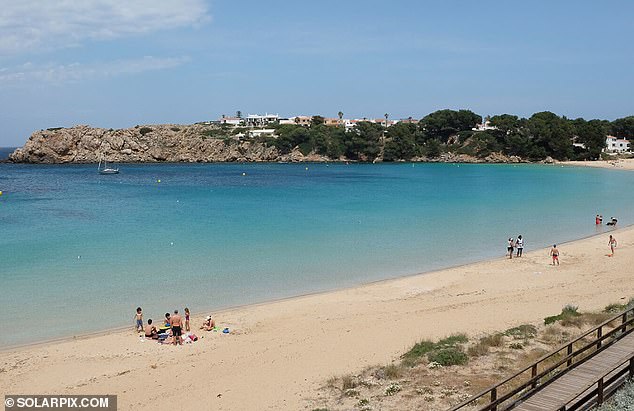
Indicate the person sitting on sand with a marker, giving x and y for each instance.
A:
(209, 324)
(168, 323)
(612, 244)
(150, 330)
(177, 328)
(554, 252)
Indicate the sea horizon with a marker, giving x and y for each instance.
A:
(80, 247)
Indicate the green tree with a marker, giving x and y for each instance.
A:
(364, 141)
(317, 120)
(401, 142)
(551, 135)
(623, 127)
(291, 136)
(431, 148)
(592, 134)
(442, 124)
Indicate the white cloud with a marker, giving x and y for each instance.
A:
(29, 73)
(27, 25)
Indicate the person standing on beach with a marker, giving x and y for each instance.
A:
(554, 252)
(509, 248)
(519, 244)
(186, 319)
(177, 328)
(597, 220)
(139, 319)
(612, 244)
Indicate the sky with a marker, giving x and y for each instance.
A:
(116, 64)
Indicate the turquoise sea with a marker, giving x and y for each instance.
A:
(80, 251)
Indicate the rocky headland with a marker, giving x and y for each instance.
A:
(175, 143)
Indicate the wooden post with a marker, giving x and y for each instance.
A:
(631, 367)
(599, 335)
(494, 397)
(623, 321)
(600, 392)
(534, 374)
(569, 363)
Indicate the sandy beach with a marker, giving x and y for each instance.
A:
(278, 354)
(624, 164)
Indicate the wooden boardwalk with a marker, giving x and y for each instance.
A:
(568, 388)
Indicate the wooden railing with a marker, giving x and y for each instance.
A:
(506, 394)
(605, 385)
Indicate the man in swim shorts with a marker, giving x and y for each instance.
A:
(177, 328)
(612, 245)
(554, 252)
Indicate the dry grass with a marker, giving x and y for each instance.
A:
(349, 382)
(491, 358)
(393, 371)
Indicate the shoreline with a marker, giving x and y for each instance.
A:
(292, 346)
(616, 164)
(220, 310)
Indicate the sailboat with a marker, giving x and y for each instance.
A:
(106, 169)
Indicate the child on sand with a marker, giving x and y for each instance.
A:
(186, 319)
(612, 244)
(139, 319)
(554, 252)
(509, 247)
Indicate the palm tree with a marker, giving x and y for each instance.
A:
(386, 117)
(340, 114)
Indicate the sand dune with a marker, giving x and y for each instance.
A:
(279, 353)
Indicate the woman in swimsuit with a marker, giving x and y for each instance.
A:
(186, 319)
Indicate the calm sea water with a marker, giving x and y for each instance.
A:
(5, 151)
(80, 251)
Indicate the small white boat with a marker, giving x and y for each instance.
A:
(106, 169)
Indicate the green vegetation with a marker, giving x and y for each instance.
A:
(522, 332)
(448, 356)
(543, 135)
(145, 130)
(175, 129)
(567, 312)
(445, 352)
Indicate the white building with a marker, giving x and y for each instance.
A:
(263, 132)
(259, 120)
(484, 126)
(234, 121)
(616, 145)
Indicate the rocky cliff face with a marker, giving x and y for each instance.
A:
(168, 142)
(172, 143)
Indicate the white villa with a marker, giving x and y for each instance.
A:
(484, 126)
(233, 121)
(617, 145)
(259, 120)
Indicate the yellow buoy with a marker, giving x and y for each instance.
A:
(0, 193)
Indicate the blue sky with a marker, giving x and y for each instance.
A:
(116, 64)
